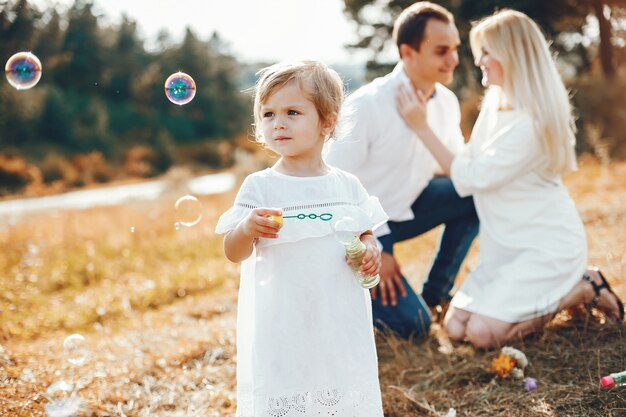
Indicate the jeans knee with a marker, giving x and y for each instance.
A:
(422, 323)
(417, 326)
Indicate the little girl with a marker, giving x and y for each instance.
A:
(305, 342)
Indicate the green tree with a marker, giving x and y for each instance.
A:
(86, 61)
(55, 123)
(17, 28)
(126, 61)
(216, 109)
(102, 90)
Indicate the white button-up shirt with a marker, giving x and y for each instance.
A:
(383, 152)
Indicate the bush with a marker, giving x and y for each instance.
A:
(55, 168)
(93, 168)
(213, 154)
(144, 161)
(16, 174)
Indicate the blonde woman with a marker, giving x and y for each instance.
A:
(533, 250)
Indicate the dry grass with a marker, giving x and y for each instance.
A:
(157, 307)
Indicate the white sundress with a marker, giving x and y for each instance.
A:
(305, 341)
(533, 248)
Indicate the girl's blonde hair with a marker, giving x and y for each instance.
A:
(531, 82)
(319, 83)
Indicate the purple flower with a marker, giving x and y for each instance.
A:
(530, 384)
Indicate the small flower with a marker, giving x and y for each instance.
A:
(501, 365)
(530, 384)
(509, 363)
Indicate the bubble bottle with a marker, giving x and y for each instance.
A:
(346, 232)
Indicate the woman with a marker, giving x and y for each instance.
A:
(532, 242)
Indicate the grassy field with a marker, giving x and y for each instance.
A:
(157, 307)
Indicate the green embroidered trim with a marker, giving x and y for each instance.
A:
(324, 216)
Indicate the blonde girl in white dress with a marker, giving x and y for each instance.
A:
(305, 341)
(533, 250)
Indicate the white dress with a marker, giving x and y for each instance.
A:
(305, 341)
(533, 248)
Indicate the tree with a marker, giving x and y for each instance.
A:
(17, 28)
(87, 62)
(126, 62)
(50, 38)
(102, 90)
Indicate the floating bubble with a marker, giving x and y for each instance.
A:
(60, 389)
(75, 349)
(23, 70)
(188, 211)
(63, 401)
(180, 88)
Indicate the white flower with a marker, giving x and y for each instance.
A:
(517, 355)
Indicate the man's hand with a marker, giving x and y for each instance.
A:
(390, 281)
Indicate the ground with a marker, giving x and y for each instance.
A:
(157, 308)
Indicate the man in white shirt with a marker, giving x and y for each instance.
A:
(394, 165)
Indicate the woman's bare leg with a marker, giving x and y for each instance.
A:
(455, 322)
(583, 293)
(487, 332)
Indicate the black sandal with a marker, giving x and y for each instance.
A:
(597, 288)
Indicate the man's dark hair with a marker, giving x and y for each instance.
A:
(410, 25)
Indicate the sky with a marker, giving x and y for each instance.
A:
(256, 30)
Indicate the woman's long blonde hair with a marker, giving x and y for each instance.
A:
(531, 82)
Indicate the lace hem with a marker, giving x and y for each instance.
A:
(364, 402)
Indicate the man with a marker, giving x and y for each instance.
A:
(393, 164)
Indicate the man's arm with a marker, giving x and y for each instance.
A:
(390, 274)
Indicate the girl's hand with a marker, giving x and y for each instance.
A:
(412, 107)
(371, 263)
(259, 223)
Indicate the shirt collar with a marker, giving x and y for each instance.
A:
(400, 74)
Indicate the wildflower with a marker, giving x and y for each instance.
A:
(501, 365)
(509, 363)
(530, 384)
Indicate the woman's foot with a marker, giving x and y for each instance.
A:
(599, 295)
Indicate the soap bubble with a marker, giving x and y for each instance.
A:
(63, 401)
(188, 211)
(23, 70)
(75, 349)
(180, 88)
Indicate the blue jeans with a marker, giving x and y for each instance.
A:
(438, 204)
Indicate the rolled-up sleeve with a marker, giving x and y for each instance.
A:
(511, 152)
